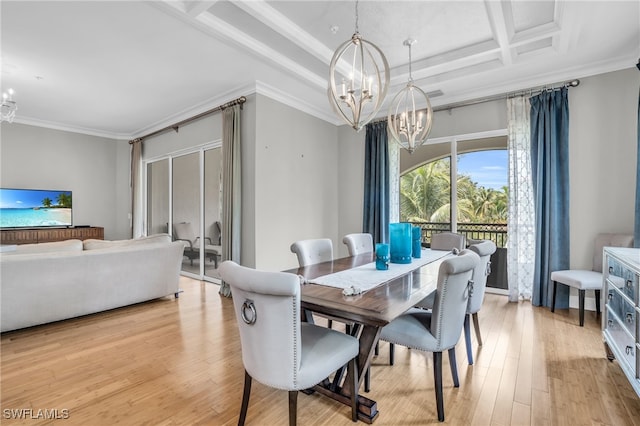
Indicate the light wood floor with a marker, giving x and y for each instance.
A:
(177, 362)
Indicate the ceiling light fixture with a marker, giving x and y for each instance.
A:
(410, 114)
(362, 71)
(9, 107)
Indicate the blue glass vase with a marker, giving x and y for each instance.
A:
(416, 240)
(382, 256)
(400, 247)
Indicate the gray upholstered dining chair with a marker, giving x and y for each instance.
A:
(278, 350)
(439, 330)
(588, 279)
(439, 241)
(313, 251)
(484, 249)
(447, 241)
(358, 243)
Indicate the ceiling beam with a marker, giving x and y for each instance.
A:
(500, 17)
(198, 7)
(275, 20)
(222, 30)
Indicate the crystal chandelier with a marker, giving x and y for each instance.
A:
(410, 114)
(9, 107)
(359, 80)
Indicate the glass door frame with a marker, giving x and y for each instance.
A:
(200, 150)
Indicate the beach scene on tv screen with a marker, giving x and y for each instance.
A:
(23, 208)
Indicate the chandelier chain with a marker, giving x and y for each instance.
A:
(357, 17)
(410, 76)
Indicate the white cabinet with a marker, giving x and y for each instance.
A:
(621, 319)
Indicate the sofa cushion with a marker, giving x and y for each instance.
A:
(56, 246)
(92, 244)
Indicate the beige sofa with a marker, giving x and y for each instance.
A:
(41, 283)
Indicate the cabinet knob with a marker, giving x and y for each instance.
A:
(611, 269)
(629, 283)
(628, 350)
(630, 317)
(610, 322)
(610, 296)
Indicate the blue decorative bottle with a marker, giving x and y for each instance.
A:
(400, 238)
(416, 246)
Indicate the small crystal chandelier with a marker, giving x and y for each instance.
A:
(362, 71)
(9, 107)
(410, 114)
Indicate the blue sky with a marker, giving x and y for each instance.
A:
(26, 198)
(487, 168)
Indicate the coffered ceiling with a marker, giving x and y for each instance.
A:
(123, 68)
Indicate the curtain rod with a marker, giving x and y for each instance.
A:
(177, 125)
(531, 91)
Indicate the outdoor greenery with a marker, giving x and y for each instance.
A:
(424, 197)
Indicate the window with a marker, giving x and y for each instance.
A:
(481, 194)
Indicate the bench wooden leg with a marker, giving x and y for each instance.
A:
(581, 307)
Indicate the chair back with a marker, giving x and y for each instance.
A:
(184, 231)
(358, 243)
(267, 307)
(447, 241)
(313, 251)
(217, 233)
(608, 240)
(452, 296)
(484, 250)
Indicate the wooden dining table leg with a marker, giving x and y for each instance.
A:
(368, 339)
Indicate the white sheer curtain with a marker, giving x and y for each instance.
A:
(394, 181)
(521, 217)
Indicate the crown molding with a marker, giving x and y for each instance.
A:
(294, 102)
(73, 129)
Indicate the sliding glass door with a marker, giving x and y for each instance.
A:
(184, 199)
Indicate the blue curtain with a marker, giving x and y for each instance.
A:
(636, 233)
(550, 173)
(375, 218)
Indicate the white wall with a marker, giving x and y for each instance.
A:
(195, 133)
(296, 182)
(351, 149)
(603, 152)
(90, 166)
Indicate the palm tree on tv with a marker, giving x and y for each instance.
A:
(47, 202)
(64, 200)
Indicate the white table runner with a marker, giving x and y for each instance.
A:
(366, 277)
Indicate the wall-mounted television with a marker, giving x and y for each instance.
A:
(35, 208)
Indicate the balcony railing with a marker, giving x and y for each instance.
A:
(496, 232)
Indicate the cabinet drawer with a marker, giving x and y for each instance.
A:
(623, 278)
(623, 342)
(623, 310)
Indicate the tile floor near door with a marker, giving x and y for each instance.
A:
(178, 362)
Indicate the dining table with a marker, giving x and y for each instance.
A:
(351, 290)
